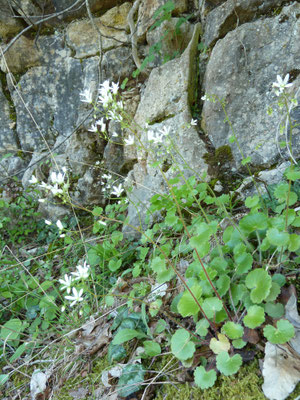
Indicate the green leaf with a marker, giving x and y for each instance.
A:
(252, 201)
(158, 265)
(124, 335)
(131, 379)
(11, 330)
(160, 326)
(219, 345)
(211, 306)
(246, 161)
(280, 335)
(20, 350)
(152, 348)
(204, 379)
(253, 222)
(202, 327)
(274, 310)
(274, 292)
(223, 284)
(97, 211)
(181, 345)
(294, 242)
(238, 343)
(260, 282)
(115, 353)
(279, 279)
(292, 173)
(3, 378)
(233, 330)
(255, 317)
(187, 305)
(277, 238)
(116, 237)
(228, 365)
(243, 263)
(114, 264)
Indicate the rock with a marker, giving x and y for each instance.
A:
(8, 139)
(79, 9)
(83, 38)
(147, 9)
(168, 95)
(173, 40)
(9, 25)
(241, 70)
(117, 64)
(232, 14)
(22, 55)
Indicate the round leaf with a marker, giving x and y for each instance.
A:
(233, 330)
(260, 282)
(187, 305)
(211, 306)
(202, 327)
(294, 243)
(228, 365)
(255, 317)
(204, 379)
(151, 348)
(253, 222)
(274, 310)
(282, 334)
(181, 346)
(238, 343)
(218, 346)
(277, 238)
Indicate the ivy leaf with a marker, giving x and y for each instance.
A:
(282, 334)
(238, 343)
(277, 238)
(211, 306)
(274, 310)
(253, 222)
(219, 345)
(181, 345)
(124, 335)
(260, 282)
(228, 365)
(202, 327)
(204, 379)
(187, 305)
(255, 317)
(233, 330)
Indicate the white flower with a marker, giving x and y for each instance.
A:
(76, 298)
(193, 122)
(165, 131)
(86, 96)
(62, 308)
(33, 180)
(102, 223)
(106, 176)
(59, 225)
(104, 87)
(114, 87)
(66, 283)
(93, 128)
(102, 124)
(129, 141)
(155, 137)
(117, 190)
(45, 186)
(57, 178)
(114, 134)
(47, 222)
(281, 84)
(42, 200)
(82, 272)
(55, 189)
(204, 97)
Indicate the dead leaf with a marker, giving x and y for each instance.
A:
(250, 335)
(38, 385)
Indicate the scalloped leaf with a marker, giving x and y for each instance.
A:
(274, 292)
(260, 282)
(204, 379)
(232, 330)
(255, 317)
(277, 238)
(187, 305)
(202, 327)
(219, 345)
(274, 310)
(280, 335)
(294, 242)
(223, 284)
(253, 222)
(211, 306)
(181, 345)
(244, 263)
(238, 343)
(228, 365)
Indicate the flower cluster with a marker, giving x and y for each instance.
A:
(57, 186)
(82, 273)
(59, 225)
(158, 137)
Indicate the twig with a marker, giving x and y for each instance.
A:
(133, 30)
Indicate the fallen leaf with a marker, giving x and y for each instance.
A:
(38, 384)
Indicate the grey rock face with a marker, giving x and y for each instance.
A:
(232, 14)
(241, 70)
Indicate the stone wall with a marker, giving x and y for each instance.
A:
(244, 45)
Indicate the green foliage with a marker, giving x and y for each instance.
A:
(228, 365)
(181, 345)
(282, 334)
(204, 379)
